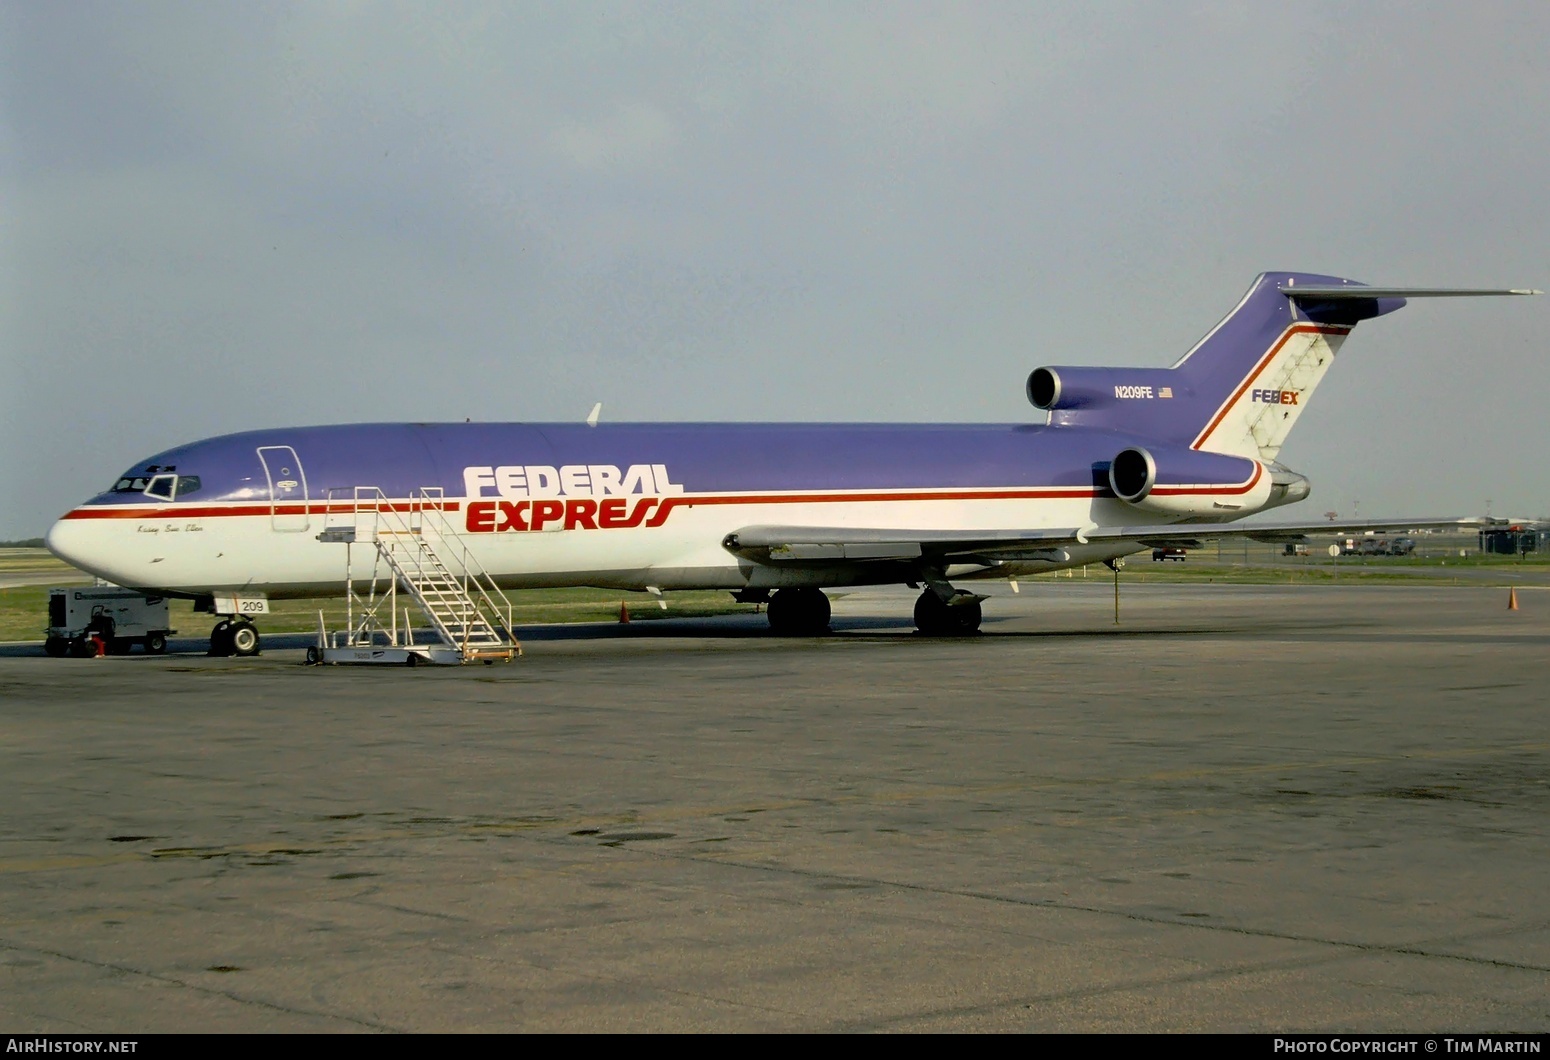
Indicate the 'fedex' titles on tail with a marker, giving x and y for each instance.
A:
(1274, 397)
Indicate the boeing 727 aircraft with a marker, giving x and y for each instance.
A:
(1130, 459)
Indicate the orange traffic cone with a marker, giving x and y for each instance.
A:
(624, 614)
(1512, 598)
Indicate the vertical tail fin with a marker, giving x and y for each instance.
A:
(1241, 388)
(1257, 369)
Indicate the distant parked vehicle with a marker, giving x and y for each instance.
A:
(1294, 549)
(1160, 554)
(1377, 546)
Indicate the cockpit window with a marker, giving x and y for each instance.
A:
(162, 487)
(156, 482)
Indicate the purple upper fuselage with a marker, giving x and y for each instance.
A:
(400, 458)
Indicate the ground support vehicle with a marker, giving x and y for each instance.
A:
(105, 620)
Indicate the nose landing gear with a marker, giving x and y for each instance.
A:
(234, 636)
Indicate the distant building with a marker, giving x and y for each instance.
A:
(1514, 540)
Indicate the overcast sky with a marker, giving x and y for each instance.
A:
(216, 217)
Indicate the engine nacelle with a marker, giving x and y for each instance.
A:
(1071, 389)
(1189, 482)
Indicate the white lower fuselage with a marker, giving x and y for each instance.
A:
(187, 550)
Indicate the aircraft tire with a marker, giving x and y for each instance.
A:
(156, 644)
(781, 614)
(244, 639)
(220, 639)
(818, 611)
(970, 615)
(798, 612)
(937, 619)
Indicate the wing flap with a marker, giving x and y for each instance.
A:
(844, 550)
(834, 544)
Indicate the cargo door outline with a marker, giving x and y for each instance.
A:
(288, 512)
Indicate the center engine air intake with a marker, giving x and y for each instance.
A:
(1177, 481)
(1044, 388)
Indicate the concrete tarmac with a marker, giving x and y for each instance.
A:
(1244, 808)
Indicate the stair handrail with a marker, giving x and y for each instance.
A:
(373, 511)
(433, 499)
(469, 614)
(359, 505)
(449, 585)
(426, 510)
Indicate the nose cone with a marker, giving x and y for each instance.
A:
(72, 541)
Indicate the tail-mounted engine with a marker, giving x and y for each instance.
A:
(1148, 401)
(1058, 390)
(1176, 481)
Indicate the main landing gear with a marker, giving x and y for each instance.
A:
(943, 611)
(798, 612)
(957, 617)
(234, 636)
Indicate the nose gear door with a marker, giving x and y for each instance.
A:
(287, 488)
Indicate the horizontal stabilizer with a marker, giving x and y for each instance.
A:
(1326, 292)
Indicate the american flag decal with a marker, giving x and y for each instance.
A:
(1165, 391)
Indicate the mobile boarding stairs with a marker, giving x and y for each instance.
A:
(414, 548)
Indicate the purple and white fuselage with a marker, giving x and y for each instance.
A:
(625, 506)
(1128, 458)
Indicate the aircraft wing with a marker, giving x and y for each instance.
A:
(780, 545)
